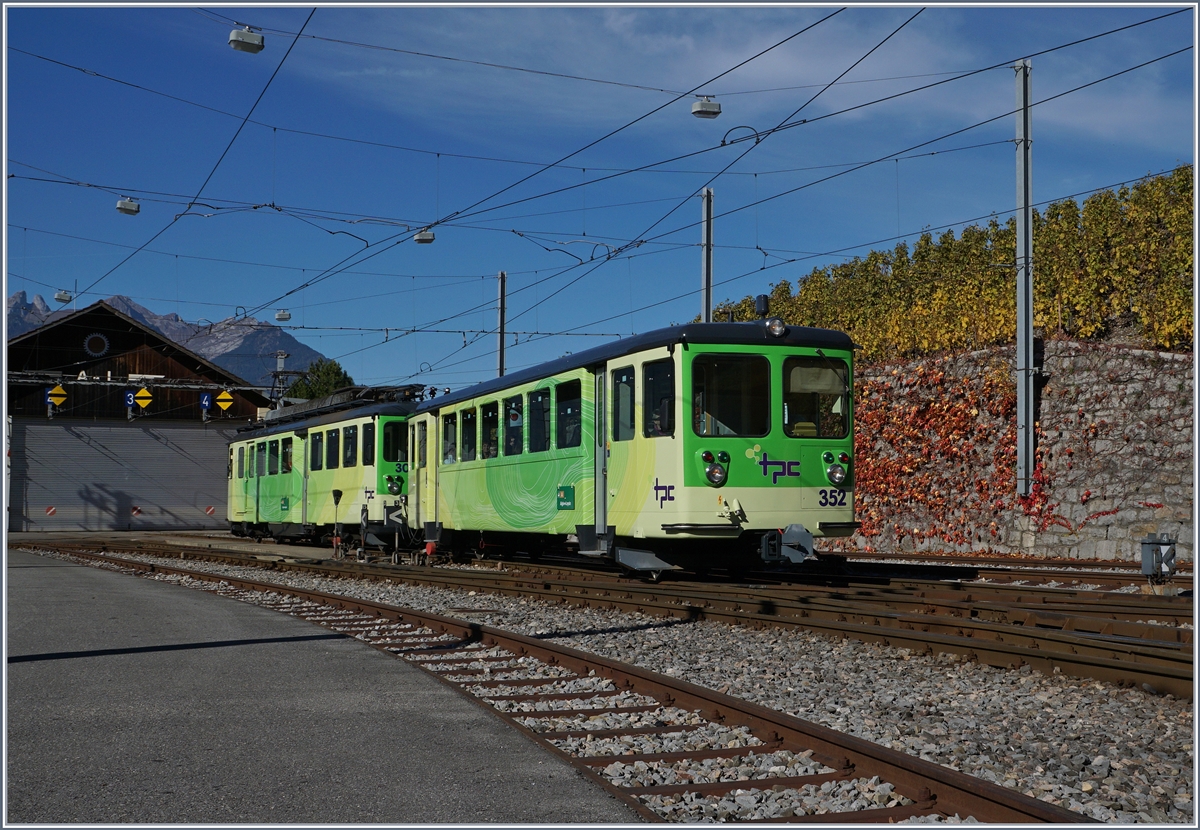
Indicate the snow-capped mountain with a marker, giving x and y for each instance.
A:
(244, 346)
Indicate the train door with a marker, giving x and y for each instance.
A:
(302, 452)
(239, 501)
(260, 470)
(601, 458)
(419, 489)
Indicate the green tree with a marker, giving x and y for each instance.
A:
(324, 377)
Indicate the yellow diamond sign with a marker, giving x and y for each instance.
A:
(56, 395)
(143, 398)
(224, 400)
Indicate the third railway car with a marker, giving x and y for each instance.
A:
(697, 446)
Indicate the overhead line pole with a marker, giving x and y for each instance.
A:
(706, 304)
(503, 280)
(1024, 270)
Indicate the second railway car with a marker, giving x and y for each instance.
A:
(698, 446)
(334, 470)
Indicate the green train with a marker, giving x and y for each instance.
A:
(697, 446)
(333, 470)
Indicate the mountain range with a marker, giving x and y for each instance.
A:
(244, 346)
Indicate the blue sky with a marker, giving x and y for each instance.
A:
(384, 120)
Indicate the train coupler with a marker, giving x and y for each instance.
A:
(793, 544)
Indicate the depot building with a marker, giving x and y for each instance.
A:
(112, 427)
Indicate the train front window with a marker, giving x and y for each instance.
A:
(285, 458)
(273, 458)
(261, 465)
(815, 395)
(731, 395)
(395, 442)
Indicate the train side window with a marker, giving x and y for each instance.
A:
(261, 463)
(316, 460)
(470, 435)
(622, 404)
(368, 448)
(395, 441)
(568, 400)
(449, 438)
(489, 421)
(539, 420)
(273, 458)
(241, 463)
(332, 446)
(658, 398)
(514, 426)
(421, 442)
(285, 456)
(350, 447)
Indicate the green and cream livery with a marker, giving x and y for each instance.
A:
(698, 446)
(332, 469)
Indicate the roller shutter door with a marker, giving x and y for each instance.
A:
(85, 475)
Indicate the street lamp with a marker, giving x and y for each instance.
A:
(245, 40)
(128, 206)
(705, 108)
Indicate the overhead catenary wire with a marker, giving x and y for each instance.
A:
(337, 268)
(213, 171)
(757, 202)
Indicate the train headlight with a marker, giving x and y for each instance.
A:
(836, 473)
(776, 328)
(394, 485)
(715, 474)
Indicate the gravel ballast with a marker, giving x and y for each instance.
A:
(1113, 754)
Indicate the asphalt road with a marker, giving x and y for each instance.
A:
(131, 700)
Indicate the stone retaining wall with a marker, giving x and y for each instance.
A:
(935, 454)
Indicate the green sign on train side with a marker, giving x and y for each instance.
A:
(566, 498)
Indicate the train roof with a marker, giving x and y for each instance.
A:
(742, 334)
(328, 413)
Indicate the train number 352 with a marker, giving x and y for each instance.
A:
(832, 498)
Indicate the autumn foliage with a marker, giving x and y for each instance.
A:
(1122, 261)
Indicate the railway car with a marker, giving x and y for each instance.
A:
(697, 446)
(333, 470)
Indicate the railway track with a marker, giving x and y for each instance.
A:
(1129, 639)
(673, 750)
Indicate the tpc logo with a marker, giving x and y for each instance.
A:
(775, 469)
(663, 493)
